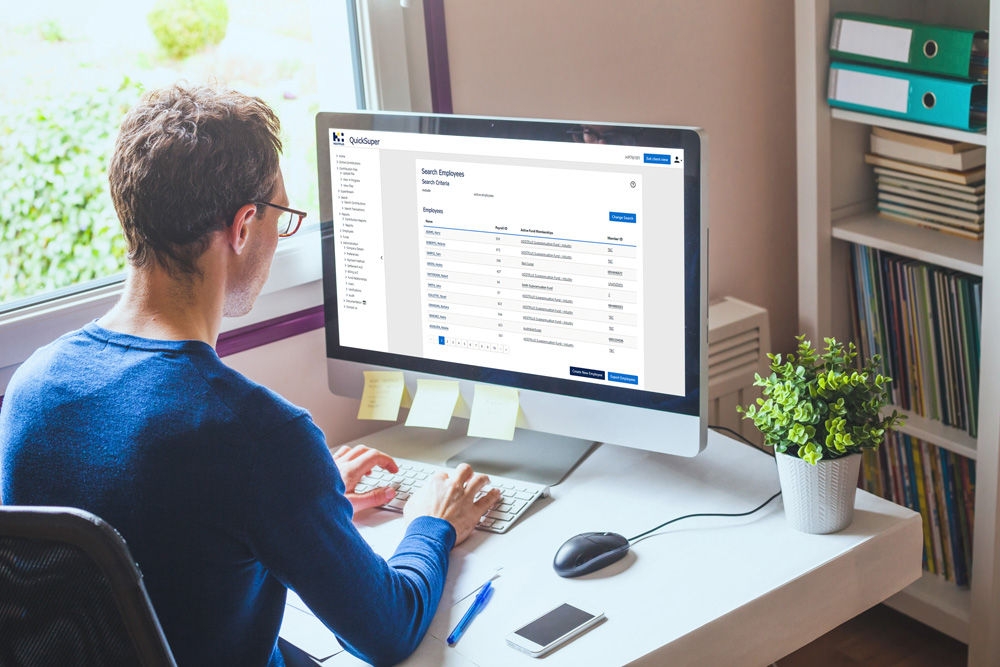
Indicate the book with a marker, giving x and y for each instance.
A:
(950, 493)
(919, 221)
(967, 177)
(894, 325)
(927, 341)
(933, 184)
(933, 152)
(918, 195)
(922, 505)
(949, 380)
(931, 482)
(972, 219)
(937, 462)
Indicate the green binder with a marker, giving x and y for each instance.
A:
(910, 45)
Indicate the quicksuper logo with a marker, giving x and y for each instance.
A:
(365, 141)
(337, 138)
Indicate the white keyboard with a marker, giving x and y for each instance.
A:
(517, 495)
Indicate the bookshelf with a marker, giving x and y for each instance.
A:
(836, 195)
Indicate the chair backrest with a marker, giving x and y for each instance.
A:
(71, 594)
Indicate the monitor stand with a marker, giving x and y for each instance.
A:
(531, 456)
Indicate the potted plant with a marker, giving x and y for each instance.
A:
(820, 411)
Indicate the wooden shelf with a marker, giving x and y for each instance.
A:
(936, 433)
(909, 126)
(928, 245)
(835, 194)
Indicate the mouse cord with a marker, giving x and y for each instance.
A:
(691, 516)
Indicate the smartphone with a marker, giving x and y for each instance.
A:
(552, 629)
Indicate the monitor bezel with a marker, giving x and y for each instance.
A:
(691, 140)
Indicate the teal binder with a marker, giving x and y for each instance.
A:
(916, 97)
(910, 45)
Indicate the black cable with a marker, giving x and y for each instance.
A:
(691, 516)
(719, 427)
(703, 514)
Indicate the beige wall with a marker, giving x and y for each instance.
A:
(725, 65)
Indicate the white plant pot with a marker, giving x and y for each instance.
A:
(818, 498)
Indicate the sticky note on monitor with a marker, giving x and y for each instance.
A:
(384, 393)
(494, 412)
(434, 403)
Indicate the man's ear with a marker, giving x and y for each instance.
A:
(238, 232)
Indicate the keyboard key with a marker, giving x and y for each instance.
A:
(502, 516)
(517, 496)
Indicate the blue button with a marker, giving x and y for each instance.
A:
(617, 216)
(440, 340)
(655, 158)
(624, 379)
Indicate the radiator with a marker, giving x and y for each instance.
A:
(738, 343)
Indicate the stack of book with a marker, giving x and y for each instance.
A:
(917, 71)
(924, 322)
(941, 486)
(933, 183)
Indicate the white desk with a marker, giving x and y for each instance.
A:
(704, 591)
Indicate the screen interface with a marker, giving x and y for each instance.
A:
(560, 260)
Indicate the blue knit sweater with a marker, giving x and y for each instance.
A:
(225, 493)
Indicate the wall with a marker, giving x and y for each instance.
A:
(725, 65)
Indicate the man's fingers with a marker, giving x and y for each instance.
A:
(364, 458)
(372, 457)
(489, 500)
(373, 498)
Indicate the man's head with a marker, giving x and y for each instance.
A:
(186, 160)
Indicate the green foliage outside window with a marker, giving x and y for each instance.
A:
(185, 27)
(56, 218)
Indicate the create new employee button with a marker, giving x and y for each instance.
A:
(590, 373)
(655, 158)
(618, 216)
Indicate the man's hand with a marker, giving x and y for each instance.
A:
(454, 500)
(356, 462)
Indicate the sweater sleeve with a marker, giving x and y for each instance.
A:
(299, 525)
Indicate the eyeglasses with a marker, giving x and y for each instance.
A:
(287, 224)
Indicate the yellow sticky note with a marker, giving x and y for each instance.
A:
(494, 412)
(433, 403)
(384, 392)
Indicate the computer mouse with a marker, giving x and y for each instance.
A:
(589, 552)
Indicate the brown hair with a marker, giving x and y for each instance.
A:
(186, 159)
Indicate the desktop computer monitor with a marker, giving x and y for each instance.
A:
(565, 260)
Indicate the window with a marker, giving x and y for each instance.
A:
(71, 69)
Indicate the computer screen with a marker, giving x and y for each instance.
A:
(566, 260)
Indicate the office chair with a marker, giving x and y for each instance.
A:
(70, 593)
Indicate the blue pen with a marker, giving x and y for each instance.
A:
(477, 606)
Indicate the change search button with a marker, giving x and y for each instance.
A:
(621, 216)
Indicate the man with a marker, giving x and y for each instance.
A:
(225, 492)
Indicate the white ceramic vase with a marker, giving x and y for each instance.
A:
(818, 498)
